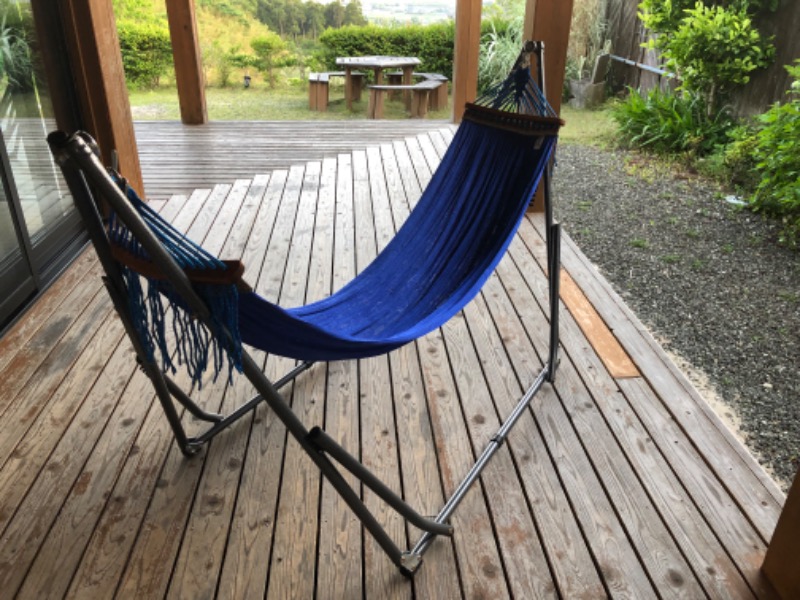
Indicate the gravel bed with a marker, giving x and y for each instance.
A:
(709, 281)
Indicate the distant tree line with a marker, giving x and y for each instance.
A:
(295, 18)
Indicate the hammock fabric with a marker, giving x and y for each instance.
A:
(437, 262)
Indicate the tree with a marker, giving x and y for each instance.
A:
(268, 48)
(353, 14)
(334, 14)
(314, 19)
(715, 49)
(712, 47)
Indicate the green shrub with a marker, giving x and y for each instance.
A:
(714, 49)
(738, 159)
(432, 44)
(16, 28)
(271, 51)
(670, 123)
(146, 52)
(501, 42)
(777, 157)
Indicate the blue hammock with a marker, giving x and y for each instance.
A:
(437, 262)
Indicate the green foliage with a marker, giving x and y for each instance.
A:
(665, 16)
(587, 38)
(353, 14)
(15, 54)
(668, 123)
(733, 164)
(293, 18)
(777, 157)
(501, 42)
(432, 44)
(140, 11)
(146, 52)
(269, 49)
(225, 61)
(714, 49)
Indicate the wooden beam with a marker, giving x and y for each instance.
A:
(781, 563)
(549, 21)
(188, 61)
(99, 79)
(465, 55)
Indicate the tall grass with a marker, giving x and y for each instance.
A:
(670, 123)
(587, 38)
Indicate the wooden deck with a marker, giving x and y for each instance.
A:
(616, 483)
(176, 159)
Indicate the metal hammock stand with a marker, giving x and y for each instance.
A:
(86, 176)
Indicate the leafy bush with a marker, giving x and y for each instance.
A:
(664, 17)
(146, 52)
(432, 44)
(715, 49)
(270, 50)
(777, 157)
(669, 123)
(734, 164)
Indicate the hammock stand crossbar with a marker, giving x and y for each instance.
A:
(89, 181)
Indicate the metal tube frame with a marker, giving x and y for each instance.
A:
(81, 166)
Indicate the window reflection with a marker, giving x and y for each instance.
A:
(26, 116)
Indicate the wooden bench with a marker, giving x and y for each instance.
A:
(419, 102)
(318, 91)
(358, 82)
(318, 94)
(436, 101)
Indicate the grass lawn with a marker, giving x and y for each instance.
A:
(259, 103)
(595, 127)
(290, 102)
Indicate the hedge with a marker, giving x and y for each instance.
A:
(432, 44)
(146, 52)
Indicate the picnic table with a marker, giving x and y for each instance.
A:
(378, 64)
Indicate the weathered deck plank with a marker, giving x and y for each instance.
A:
(177, 159)
(624, 486)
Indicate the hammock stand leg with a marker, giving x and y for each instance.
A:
(412, 559)
(191, 445)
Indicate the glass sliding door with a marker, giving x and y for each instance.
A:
(37, 203)
(16, 272)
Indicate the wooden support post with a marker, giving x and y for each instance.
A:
(549, 21)
(318, 91)
(99, 79)
(465, 55)
(782, 563)
(348, 87)
(375, 106)
(419, 104)
(188, 61)
(550, 24)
